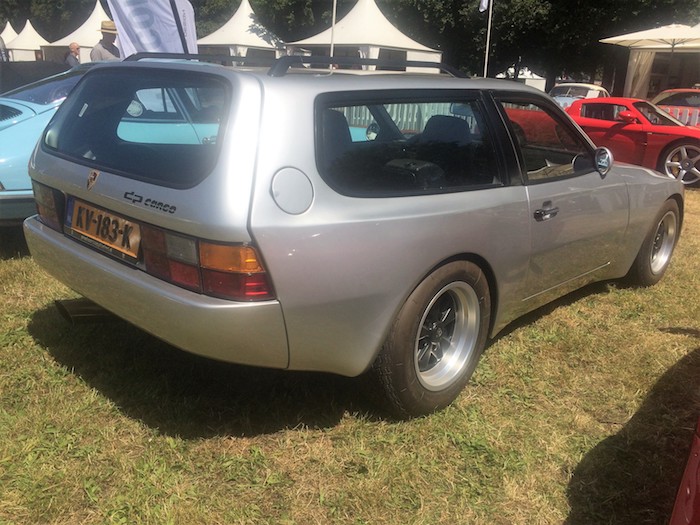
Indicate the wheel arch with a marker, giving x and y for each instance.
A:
(681, 203)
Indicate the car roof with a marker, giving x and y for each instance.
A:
(581, 84)
(611, 100)
(332, 79)
(680, 90)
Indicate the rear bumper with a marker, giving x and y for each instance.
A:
(15, 206)
(245, 333)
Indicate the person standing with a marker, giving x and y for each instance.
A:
(73, 56)
(4, 56)
(105, 48)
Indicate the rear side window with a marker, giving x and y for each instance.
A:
(164, 127)
(406, 147)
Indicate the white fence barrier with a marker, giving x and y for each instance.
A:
(688, 116)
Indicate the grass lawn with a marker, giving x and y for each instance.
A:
(581, 413)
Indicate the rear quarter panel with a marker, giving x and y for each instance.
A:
(344, 267)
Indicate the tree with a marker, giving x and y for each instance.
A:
(550, 37)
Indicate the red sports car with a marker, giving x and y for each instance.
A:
(686, 511)
(638, 132)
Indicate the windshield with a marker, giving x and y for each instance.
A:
(49, 90)
(575, 92)
(656, 116)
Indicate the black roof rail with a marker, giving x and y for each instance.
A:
(282, 64)
(228, 59)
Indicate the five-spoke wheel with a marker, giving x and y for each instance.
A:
(682, 161)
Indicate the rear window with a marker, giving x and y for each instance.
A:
(164, 127)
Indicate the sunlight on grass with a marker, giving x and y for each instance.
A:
(580, 414)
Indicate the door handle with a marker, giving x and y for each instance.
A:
(546, 212)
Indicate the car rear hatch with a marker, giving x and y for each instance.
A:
(152, 164)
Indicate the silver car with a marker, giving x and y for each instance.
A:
(340, 221)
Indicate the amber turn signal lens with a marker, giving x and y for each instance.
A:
(227, 258)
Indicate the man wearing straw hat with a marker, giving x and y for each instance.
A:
(105, 48)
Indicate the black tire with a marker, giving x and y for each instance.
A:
(655, 253)
(681, 161)
(436, 341)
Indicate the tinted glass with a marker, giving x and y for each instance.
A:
(690, 98)
(159, 126)
(602, 111)
(550, 147)
(405, 148)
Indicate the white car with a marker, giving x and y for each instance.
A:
(565, 93)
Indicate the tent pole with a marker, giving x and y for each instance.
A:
(488, 39)
(335, 6)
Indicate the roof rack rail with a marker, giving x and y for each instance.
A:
(279, 67)
(201, 57)
(282, 64)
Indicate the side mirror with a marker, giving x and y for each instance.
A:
(372, 131)
(603, 161)
(627, 117)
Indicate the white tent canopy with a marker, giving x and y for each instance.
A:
(366, 28)
(8, 33)
(242, 32)
(644, 45)
(87, 35)
(673, 36)
(26, 44)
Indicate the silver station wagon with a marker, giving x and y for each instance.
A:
(337, 220)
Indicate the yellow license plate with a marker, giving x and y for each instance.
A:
(111, 232)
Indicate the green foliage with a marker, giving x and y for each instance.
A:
(549, 37)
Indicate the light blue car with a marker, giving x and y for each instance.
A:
(24, 113)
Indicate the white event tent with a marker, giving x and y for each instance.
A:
(87, 35)
(243, 35)
(25, 46)
(366, 32)
(8, 33)
(660, 58)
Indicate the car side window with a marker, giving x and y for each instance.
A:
(602, 111)
(549, 147)
(404, 148)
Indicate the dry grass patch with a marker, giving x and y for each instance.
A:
(581, 413)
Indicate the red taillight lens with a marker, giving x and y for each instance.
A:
(241, 286)
(233, 272)
(220, 270)
(49, 205)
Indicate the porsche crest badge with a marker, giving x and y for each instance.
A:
(92, 179)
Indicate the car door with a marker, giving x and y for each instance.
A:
(578, 218)
(602, 123)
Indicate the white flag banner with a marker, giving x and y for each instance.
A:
(483, 5)
(157, 26)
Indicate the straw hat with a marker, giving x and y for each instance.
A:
(108, 27)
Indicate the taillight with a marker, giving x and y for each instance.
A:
(233, 271)
(220, 270)
(49, 205)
